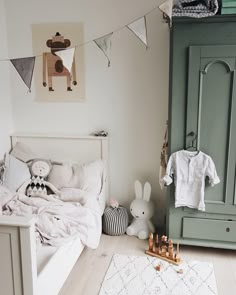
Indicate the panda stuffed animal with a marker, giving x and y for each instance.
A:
(37, 185)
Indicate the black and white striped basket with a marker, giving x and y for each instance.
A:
(115, 221)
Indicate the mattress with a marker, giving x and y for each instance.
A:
(54, 265)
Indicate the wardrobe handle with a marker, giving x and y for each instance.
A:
(191, 133)
(227, 229)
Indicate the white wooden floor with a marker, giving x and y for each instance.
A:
(90, 269)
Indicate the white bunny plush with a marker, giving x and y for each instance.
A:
(142, 210)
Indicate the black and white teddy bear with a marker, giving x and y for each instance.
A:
(37, 185)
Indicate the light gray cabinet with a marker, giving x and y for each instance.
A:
(203, 100)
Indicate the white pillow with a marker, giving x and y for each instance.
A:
(15, 173)
(5, 196)
(22, 152)
(61, 175)
(90, 177)
(87, 177)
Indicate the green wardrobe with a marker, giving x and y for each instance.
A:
(202, 102)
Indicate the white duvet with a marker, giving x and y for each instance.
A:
(59, 219)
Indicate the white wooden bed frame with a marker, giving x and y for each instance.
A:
(19, 274)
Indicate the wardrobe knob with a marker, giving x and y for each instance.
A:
(191, 133)
(228, 229)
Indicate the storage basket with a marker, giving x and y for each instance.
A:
(115, 221)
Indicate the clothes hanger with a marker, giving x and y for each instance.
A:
(191, 146)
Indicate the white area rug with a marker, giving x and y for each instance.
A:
(134, 275)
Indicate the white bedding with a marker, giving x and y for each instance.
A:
(74, 214)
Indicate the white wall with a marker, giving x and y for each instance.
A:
(6, 122)
(129, 99)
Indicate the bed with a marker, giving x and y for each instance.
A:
(24, 269)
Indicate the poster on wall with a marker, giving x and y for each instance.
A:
(59, 74)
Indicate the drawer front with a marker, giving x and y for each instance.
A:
(209, 229)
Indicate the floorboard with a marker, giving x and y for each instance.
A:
(89, 271)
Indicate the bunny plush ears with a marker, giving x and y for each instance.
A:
(145, 193)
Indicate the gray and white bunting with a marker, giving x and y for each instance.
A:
(166, 7)
(25, 68)
(67, 57)
(139, 28)
(104, 43)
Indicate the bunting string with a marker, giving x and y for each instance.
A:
(92, 40)
(25, 66)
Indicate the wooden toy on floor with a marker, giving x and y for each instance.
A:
(158, 267)
(180, 271)
(164, 249)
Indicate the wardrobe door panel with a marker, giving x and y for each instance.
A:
(214, 122)
(210, 101)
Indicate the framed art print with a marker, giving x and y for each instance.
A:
(53, 80)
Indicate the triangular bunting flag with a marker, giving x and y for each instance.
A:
(104, 43)
(166, 7)
(139, 28)
(25, 68)
(67, 56)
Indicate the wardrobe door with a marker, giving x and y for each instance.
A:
(211, 116)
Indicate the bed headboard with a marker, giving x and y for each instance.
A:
(80, 149)
(70, 148)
